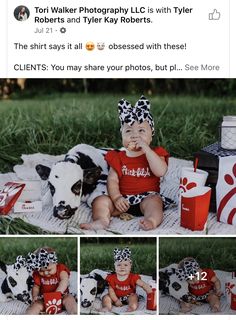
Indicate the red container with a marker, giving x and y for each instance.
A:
(233, 301)
(151, 300)
(194, 208)
(52, 302)
(9, 195)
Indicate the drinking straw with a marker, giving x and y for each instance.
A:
(195, 164)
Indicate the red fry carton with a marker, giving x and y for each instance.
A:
(151, 300)
(53, 302)
(8, 196)
(194, 208)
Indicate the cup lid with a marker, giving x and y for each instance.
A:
(229, 118)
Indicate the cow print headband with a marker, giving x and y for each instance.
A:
(36, 261)
(189, 270)
(140, 112)
(20, 262)
(122, 255)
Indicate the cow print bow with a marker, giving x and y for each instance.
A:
(140, 112)
(188, 271)
(122, 255)
(20, 262)
(36, 261)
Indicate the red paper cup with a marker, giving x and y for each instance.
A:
(194, 208)
(151, 300)
(52, 302)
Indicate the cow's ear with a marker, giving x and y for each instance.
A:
(30, 283)
(90, 176)
(4, 287)
(3, 267)
(43, 171)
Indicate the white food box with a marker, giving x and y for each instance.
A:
(30, 198)
(28, 206)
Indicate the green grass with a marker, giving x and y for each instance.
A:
(100, 256)
(53, 124)
(66, 248)
(216, 253)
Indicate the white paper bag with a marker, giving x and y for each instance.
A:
(226, 190)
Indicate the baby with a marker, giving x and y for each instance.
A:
(134, 177)
(49, 276)
(122, 284)
(203, 284)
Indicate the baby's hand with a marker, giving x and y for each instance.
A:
(36, 298)
(121, 204)
(118, 303)
(218, 293)
(140, 144)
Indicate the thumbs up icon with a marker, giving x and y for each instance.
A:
(215, 15)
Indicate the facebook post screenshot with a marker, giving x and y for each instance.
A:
(118, 159)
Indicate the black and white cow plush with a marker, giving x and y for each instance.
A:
(15, 284)
(81, 176)
(169, 284)
(91, 286)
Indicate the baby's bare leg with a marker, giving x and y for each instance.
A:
(70, 304)
(152, 209)
(106, 303)
(35, 308)
(133, 302)
(102, 208)
(214, 302)
(185, 307)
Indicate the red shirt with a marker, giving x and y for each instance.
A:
(203, 286)
(49, 284)
(135, 175)
(123, 288)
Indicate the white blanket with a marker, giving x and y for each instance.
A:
(46, 221)
(97, 305)
(169, 305)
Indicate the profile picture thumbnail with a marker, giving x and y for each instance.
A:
(21, 13)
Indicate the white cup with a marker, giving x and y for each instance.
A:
(190, 179)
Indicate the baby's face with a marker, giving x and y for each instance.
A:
(123, 268)
(130, 134)
(49, 271)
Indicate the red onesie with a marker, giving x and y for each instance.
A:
(135, 175)
(123, 288)
(203, 286)
(50, 284)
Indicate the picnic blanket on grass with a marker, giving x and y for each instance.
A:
(17, 307)
(97, 305)
(46, 221)
(169, 305)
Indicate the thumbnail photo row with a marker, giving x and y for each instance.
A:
(120, 275)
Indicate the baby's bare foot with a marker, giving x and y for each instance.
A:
(185, 309)
(105, 309)
(131, 308)
(96, 225)
(146, 224)
(215, 308)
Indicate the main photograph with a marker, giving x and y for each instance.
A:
(117, 156)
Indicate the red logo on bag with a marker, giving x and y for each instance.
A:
(229, 179)
(185, 185)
